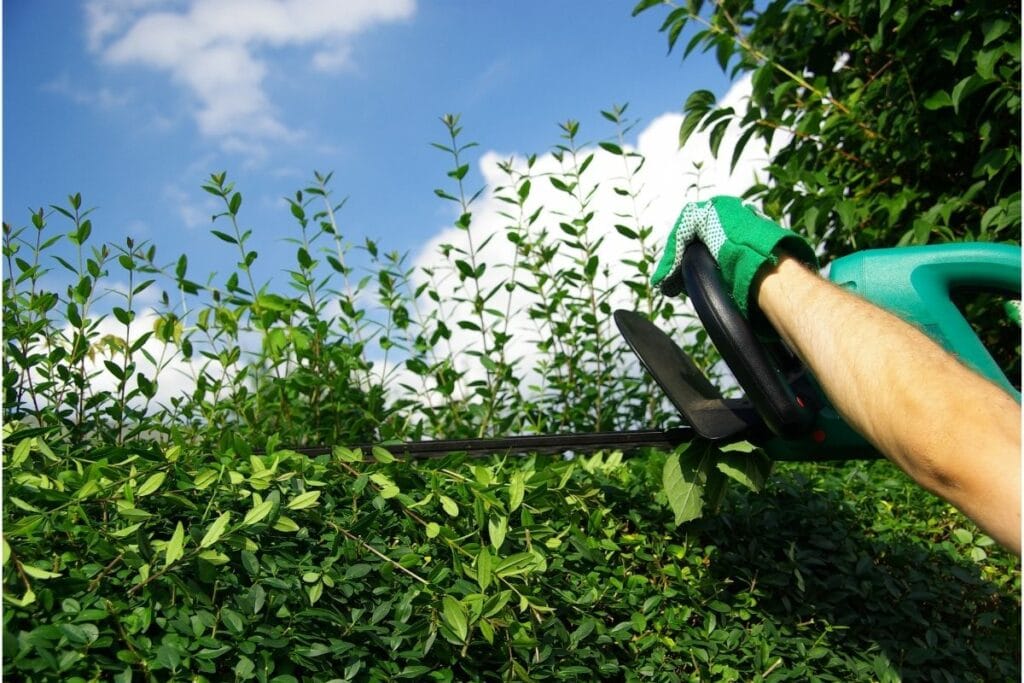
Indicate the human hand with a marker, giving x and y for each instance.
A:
(741, 239)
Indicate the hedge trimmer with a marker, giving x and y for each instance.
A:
(784, 412)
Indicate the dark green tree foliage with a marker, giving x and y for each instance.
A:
(902, 118)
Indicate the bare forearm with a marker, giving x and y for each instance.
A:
(954, 432)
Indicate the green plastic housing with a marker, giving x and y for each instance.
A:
(914, 283)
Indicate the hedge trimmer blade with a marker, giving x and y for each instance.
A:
(533, 443)
(708, 415)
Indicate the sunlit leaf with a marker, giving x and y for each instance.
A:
(37, 573)
(257, 513)
(449, 506)
(151, 484)
(516, 487)
(175, 547)
(304, 500)
(215, 531)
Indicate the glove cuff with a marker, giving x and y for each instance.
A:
(742, 263)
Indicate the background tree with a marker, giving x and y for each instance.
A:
(903, 119)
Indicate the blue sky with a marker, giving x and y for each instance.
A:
(134, 102)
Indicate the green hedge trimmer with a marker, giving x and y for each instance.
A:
(783, 411)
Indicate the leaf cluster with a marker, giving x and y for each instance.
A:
(889, 123)
(175, 563)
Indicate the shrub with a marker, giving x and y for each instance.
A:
(150, 538)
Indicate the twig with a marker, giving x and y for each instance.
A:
(106, 570)
(379, 554)
(773, 667)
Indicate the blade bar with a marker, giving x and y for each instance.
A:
(532, 443)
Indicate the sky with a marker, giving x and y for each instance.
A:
(133, 103)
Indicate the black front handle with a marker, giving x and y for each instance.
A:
(734, 338)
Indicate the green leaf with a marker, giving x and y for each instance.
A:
(23, 601)
(124, 317)
(37, 573)
(749, 468)
(683, 477)
(698, 104)
(127, 531)
(964, 88)
(79, 634)
(384, 481)
(6, 551)
(286, 524)
(214, 557)
(717, 134)
(483, 568)
(176, 546)
(314, 592)
(611, 148)
(449, 506)
(433, 529)
(258, 512)
(645, 5)
(21, 451)
(996, 29)
(582, 631)
(741, 144)
(963, 536)
(937, 100)
(455, 617)
(347, 454)
(304, 500)
(520, 563)
(497, 527)
(151, 484)
(233, 620)
(516, 488)
(382, 455)
(626, 232)
(215, 531)
(986, 62)
(358, 570)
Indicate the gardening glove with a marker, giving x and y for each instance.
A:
(741, 238)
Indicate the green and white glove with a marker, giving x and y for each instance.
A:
(741, 238)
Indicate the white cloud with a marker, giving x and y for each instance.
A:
(194, 212)
(104, 18)
(102, 98)
(334, 59)
(216, 50)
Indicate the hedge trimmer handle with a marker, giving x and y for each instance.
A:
(757, 373)
(915, 283)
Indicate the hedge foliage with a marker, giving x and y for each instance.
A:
(148, 539)
(281, 567)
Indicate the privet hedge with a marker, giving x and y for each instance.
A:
(149, 540)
